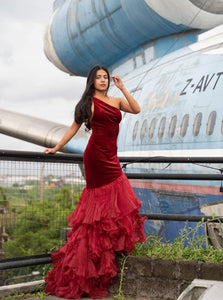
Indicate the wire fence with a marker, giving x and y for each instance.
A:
(35, 199)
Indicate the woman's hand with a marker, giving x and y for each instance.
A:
(117, 81)
(131, 104)
(50, 150)
(71, 131)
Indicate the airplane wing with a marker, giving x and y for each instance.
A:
(40, 132)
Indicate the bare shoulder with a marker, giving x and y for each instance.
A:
(115, 101)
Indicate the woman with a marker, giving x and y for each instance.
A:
(106, 221)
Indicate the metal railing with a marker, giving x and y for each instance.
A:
(59, 167)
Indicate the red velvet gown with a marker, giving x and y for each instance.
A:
(106, 220)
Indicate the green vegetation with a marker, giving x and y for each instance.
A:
(37, 226)
(188, 246)
(34, 227)
(3, 199)
(34, 296)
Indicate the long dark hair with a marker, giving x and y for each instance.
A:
(83, 108)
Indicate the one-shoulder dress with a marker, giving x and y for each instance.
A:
(106, 221)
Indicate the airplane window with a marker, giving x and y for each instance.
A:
(135, 129)
(197, 124)
(184, 125)
(211, 122)
(161, 127)
(172, 126)
(143, 129)
(152, 128)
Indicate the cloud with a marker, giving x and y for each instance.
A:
(29, 83)
(26, 70)
(36, 11)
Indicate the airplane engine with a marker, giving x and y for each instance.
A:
(85, 33)
(202, 14)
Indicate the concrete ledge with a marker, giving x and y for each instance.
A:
(145, 278)
(20, 288)
(157, 279)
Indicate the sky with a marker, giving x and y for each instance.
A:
(29, 83)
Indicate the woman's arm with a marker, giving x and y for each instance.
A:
(71, 131)
(131, 105)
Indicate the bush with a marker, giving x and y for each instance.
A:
(188, 246)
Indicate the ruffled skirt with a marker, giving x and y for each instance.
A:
(106, 222)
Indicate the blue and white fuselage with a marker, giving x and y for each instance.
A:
(181, 101)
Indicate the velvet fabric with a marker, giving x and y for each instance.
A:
(100, 157)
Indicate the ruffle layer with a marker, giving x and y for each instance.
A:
(106, 221)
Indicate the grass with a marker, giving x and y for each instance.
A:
(34, 296)
(188, 246)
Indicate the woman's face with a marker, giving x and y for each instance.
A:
(101, 81)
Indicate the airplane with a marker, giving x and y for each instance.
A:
(170, 57)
